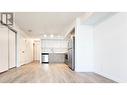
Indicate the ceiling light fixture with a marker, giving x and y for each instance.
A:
(52, 36)
(45, 35)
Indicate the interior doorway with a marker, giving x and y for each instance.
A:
(36, 50)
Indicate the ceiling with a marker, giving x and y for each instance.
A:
(38, 24)
(97, 17)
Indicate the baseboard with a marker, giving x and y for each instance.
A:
(38, 61)
(110, 77)
(25, 64)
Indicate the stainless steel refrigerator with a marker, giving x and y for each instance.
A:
(71, 53)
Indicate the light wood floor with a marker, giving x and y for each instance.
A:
(49, 73)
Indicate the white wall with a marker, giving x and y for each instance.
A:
(24, 43)
(57, 45)
(26, 50)
(110, 42)
(84, 48)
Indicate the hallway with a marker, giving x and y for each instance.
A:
(49, 73)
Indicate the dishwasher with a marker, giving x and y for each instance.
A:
(45, 57)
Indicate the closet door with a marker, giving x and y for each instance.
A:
(3, 49)
(12, 49)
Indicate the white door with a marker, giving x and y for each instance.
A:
(22, 50)
(12, 49)
(37, 51)
(3, 49)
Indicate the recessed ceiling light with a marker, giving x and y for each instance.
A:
(52, 36)
(45, 35)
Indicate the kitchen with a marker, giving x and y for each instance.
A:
(56, 50)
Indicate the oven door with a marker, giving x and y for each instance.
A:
(45, 57)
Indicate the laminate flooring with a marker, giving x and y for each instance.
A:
(49, 73)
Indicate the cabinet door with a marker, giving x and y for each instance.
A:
(3, 49)
(12, 49)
